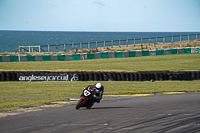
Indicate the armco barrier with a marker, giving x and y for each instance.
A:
(187, 50)
(68, 57)
(152, 52)
(159, 52)
(180, 50)
(97, 55)
(118, 54)
(166, 51)
(38, 57)
(104, 54)
(14, 58)
(125, 53)
(145, 52)
(173, 50)
(90, 55)
(111, 54)
(98, 76)
(23, 58)
(138, 53)
(131, 53)
(30, 58)
(61, 57)
(83, 56)
(54, 57)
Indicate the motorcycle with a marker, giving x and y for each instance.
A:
(88, 98)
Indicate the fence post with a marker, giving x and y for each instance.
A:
(163, 39)
(141, 40)
(104, 44)
(39, 49)
(111, 43)
(196, 37)
(48, 48)
(149, 41)
(126, 42)
(188, 37)
(134, 42)
(180, 38)
(57, 47)
(80, 45)
(172, 38)
(96, 44)
(88, 45)
(119, 43)
(64, 48)
(72, 46)
(156, 40)
(19, 48)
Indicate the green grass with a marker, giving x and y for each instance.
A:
(144, 63)
(68, 88)
(9, 102)
(59, 88)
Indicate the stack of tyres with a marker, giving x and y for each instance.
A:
(127, 75)
(100, 76)
(86, 76)
(140, 76)
(105, 76)
(3, 76)
(91, 76)
(195, 75)
(156, 76)
(122, 76)
(118, 76)
(8, 76)
(95, 76)
(136, 77)
(131, 76)
(110, 76)
(81, 76)
(114, 76)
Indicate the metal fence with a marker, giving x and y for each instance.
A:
(104, 44)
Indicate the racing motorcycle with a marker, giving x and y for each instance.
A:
(88, 98)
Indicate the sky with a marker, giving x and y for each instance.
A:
(101, 15)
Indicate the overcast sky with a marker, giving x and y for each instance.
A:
(101, 15)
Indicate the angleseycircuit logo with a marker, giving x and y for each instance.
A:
(48, 77)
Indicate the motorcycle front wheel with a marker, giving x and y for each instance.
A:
(78, 105)
(89, 106)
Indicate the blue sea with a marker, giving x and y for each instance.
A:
(10, 40)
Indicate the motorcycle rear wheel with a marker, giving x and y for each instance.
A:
(78, 105)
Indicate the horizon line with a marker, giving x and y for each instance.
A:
(94, 31)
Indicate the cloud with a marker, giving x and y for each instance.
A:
(99, 3)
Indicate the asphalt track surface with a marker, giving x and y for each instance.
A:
(170, 113)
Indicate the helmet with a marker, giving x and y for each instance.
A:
(98, 85)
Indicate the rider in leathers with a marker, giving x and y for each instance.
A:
(99, 88)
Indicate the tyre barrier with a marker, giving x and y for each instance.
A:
(98, 76)
(97, 55)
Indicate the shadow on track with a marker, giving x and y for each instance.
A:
(104, 108)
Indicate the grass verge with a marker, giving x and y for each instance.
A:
(75, 89)
(68, 88)
(143, 63)
(9, 102)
